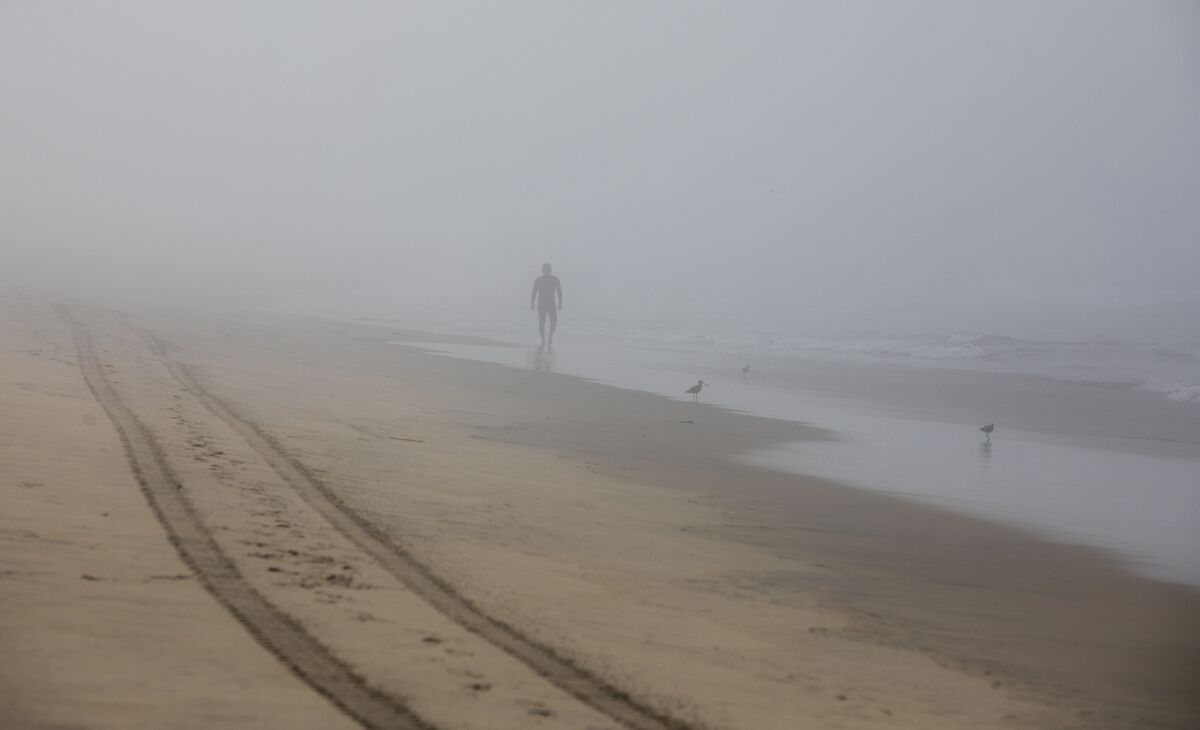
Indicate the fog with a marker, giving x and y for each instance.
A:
(1019, 168)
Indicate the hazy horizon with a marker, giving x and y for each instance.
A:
(1029, 169)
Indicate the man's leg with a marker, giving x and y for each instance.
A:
(553, 323)
(542, 325)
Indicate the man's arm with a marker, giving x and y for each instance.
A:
(533, 294)
(558, 288)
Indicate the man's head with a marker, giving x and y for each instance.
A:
(545, 268)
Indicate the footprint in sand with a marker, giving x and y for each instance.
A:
(537, 709)
(339, 579)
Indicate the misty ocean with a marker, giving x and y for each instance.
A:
(1096, 443)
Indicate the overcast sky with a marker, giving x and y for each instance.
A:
(920, 165)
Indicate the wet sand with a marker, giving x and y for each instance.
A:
(615, 531)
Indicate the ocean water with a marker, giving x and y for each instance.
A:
(1096, 443)
(1169, 368)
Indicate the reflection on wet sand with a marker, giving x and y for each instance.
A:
(1053, 474)
(540, 358)
(983, 469)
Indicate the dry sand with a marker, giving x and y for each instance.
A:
(101, 624)
(488, 548)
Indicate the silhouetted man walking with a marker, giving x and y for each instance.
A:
(547, 295)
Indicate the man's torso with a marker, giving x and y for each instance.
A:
(546, 286)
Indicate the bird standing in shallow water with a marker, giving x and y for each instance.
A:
(745, 371)
(987, 431)
(694, 391)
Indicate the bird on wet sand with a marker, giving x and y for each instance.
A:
(745, 371)
(987, 431)
(694, 391)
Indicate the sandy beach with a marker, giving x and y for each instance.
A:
(268, 521)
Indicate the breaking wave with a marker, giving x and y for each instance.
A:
(1180, 393)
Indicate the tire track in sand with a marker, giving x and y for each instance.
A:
(272, 628)
(415, 575)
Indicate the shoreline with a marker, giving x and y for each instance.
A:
(900, 430)
(605, 525)
(1160, 386)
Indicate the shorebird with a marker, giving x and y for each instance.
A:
(694, 391)
(745, 371)
(987, 430)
